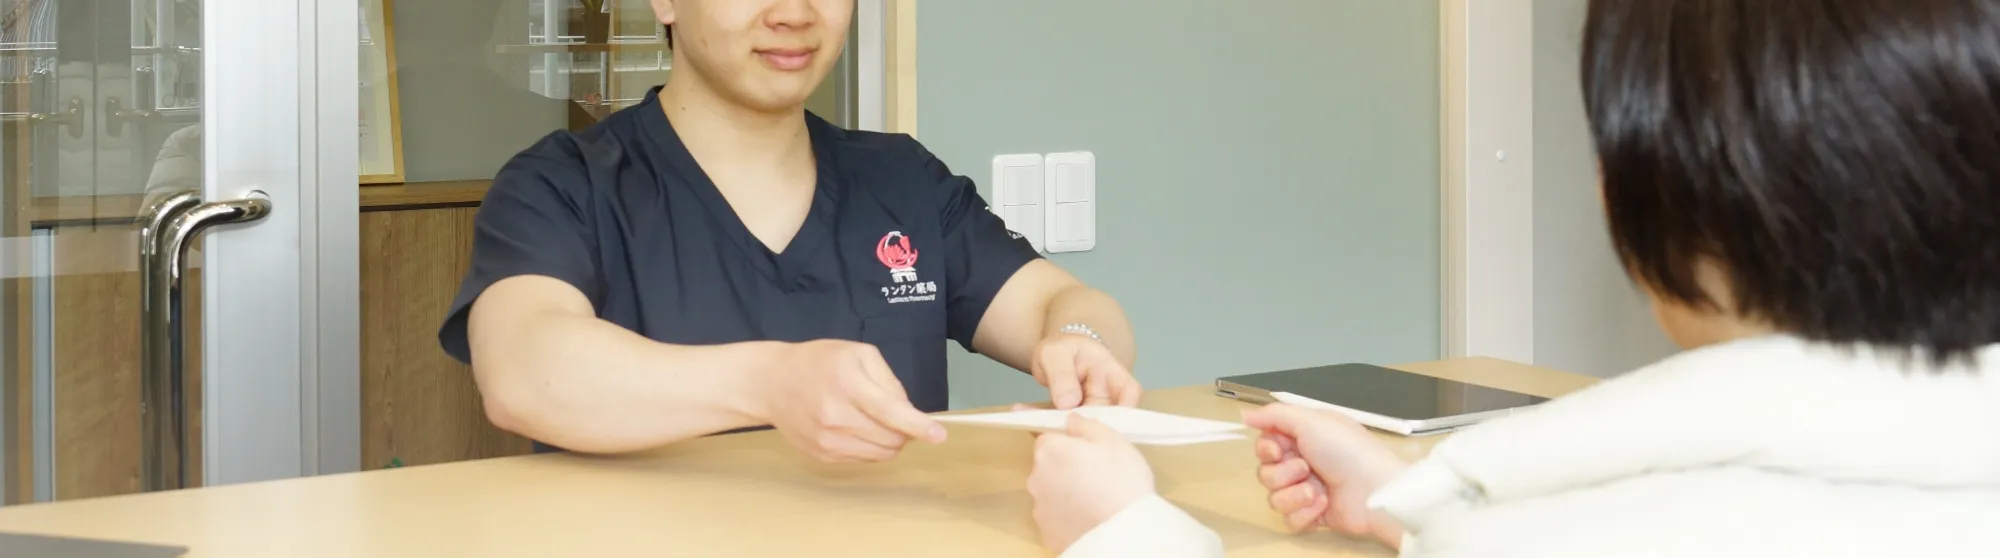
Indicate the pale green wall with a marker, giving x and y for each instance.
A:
(1267, 170)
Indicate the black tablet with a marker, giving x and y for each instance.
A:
(43, 546)
(1384, 398)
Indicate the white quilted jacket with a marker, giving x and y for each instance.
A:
(1762, 447)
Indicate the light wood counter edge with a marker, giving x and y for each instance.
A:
(966, 495)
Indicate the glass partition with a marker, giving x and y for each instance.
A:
(100, 112)
(126, 129)
(478, 80)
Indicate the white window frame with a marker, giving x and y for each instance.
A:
(886, 49)
(1488, 178)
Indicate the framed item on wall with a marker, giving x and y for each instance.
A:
(381, 158)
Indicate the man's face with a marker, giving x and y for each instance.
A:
(766, 54)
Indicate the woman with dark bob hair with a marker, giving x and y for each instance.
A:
(1809, 192)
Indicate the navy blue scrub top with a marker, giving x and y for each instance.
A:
(896, 250)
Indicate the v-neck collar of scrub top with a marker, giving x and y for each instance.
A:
(785, 267)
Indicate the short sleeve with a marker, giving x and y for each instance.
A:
(983, 253)
(535, 220)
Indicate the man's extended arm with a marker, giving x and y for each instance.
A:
(1036, 303)
(1006, 300)
(548, 369)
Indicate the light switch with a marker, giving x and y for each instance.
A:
(1073, 182)
(1027, 181)
(1071, 195)
(1019, 194)
(1034, 225)
(1075, 223)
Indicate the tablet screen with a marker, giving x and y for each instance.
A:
(14, 544)
(1387, 392)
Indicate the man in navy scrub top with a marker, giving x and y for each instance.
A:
(715, 258)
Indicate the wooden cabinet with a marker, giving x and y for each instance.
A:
(418, 406)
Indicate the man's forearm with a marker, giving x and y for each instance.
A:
(1080, 304)
(587, 385)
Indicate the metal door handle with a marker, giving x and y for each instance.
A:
(166, 227)
(116, 116)
(71, 118)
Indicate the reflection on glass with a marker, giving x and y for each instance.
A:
(164, 112)
(603, 53)
(480, 80)
(87, 134)
(606, 54)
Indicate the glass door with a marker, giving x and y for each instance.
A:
(156, 236)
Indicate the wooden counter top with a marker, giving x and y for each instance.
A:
(117, 209)
(741, 495)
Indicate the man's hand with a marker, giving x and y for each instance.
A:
(1321, 467)
(839, 402)
(1079, 370)
(1082, 477)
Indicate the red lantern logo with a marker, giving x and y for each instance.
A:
(895, 251)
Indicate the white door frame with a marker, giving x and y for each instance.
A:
(886, 78)
(280, 334)
(330, 359)
(871, 64)
(1488, 178)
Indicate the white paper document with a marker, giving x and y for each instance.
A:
(1140, 426)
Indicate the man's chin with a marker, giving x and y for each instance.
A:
(773, 106)
(774, 98)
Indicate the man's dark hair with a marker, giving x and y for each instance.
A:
(669, 29)
(1837, 160)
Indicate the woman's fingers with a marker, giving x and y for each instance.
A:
(1283, 473)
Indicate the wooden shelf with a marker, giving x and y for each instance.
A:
(84, 210)
(423, 195)
(124, 208)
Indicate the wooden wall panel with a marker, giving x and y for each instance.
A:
(96, 363)
(418, 405)
(95, 336)
(19, 370)
(16, 294)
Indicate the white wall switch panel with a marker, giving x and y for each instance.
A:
(1019, 195)
(1071, 201)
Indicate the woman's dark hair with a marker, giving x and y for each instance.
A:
(1838, 161)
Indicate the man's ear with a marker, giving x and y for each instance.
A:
(664, 9)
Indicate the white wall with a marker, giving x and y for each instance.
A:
(1488, 178)
(1588, 318)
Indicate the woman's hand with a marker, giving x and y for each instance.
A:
(1082, 477)
(1321, 467)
